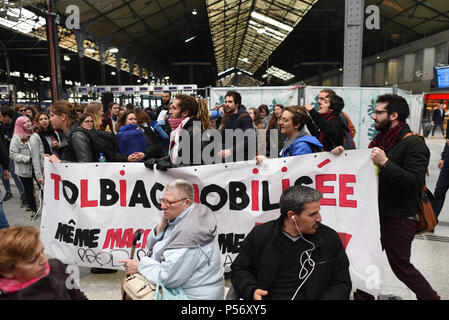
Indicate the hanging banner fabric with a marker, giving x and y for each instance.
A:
(92, 210)
(253, 97)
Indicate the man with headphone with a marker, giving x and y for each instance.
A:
(294, 257)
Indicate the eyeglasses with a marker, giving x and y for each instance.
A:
(377, 112)
(170, 203)
(22, 110)
(88, 121)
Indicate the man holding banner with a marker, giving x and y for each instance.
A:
(403, 159)
(267, 264)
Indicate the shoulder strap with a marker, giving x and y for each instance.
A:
(408, 134)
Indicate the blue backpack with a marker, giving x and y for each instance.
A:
(130, 139)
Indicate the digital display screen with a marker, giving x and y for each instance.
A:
(129, 89)
(115, 89)
(158, 88)
(442, 75)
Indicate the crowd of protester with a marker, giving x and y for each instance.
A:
(70, 132)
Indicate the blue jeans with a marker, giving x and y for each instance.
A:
(6, 183)
(442, 186)
(3, 221)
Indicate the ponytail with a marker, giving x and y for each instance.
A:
(64, 107)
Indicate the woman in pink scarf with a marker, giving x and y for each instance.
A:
(25, 271)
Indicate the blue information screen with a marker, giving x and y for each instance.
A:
(443, 77)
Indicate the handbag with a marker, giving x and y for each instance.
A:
(137, 287)
(427, 220)
(163, 293)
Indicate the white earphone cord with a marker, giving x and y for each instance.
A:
(302, 264)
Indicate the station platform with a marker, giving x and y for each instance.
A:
(429, 251)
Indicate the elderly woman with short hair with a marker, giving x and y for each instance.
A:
(183, 247)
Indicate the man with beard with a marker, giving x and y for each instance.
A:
(166, 101)
(236, 117)
(403, 159)
(166, 98)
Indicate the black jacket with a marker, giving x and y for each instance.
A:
(49, 133)
(332, 129)
(438, 116)
(240, 120)
(76, 146)
(154, 146)
(260, 254)
(51, 287)
(403, 177)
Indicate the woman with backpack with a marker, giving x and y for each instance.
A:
(131, 140)
(26, 151)
(76, 146)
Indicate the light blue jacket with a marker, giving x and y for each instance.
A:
(198, 271)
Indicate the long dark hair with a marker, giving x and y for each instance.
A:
(37, 126)
(121, 121)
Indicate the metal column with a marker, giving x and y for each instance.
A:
(352, 69)
(54, 53)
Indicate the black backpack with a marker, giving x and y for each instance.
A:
(103, 142)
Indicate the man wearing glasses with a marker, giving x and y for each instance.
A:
(403, 162)
(183, 247)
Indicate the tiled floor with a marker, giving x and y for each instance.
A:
(430, 252)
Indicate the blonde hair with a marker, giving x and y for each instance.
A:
(93, 108)
(17, 244)
(203, 114)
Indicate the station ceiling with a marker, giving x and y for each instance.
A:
(216, 38)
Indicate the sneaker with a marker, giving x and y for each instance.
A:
(8, 195)
(34, 215)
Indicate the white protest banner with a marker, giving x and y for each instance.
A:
(92, 210)
(253, 97)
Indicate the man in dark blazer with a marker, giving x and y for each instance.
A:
(438, 120)
(402, 158)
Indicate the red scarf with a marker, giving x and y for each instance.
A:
(321, 136)
(386, 140)
(13, 285)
